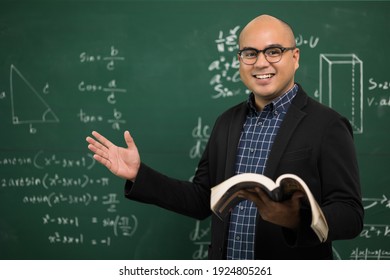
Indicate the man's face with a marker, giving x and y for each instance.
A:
(268, 80)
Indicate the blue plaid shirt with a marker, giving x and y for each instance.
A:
(257, 137)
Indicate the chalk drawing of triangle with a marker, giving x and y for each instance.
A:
(28, 106)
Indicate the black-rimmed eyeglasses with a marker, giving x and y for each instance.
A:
(249, 56)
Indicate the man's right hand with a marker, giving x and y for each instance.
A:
(123, 162)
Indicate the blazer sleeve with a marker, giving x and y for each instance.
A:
(338, 187)
(180, 196)
(341, 194)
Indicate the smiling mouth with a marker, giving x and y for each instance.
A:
(264, 76)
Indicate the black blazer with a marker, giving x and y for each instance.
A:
(314, 142)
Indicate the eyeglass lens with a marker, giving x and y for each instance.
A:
(272, 55)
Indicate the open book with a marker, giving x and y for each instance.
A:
(226, 195)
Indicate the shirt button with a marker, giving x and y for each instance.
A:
(241, 207)
(238, 237)
(252, 150)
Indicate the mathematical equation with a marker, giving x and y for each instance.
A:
(375, 230)
(111, 88)
(373, 85)
(120, 225)
(311, 41)
(49, 181)
(201, 134)
(379, 93)
(225, 67)
(41, 111)
(200, 237)
(55, 187)
(369, 254)
(79, 239)
(115, 121)
(44, 159)
(109, 59)
(81, 199)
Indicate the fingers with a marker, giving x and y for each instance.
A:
(103, 140)
(257, 195)
(297, 195)
(95, 146)
(296, 198)
(100, 150)
(129, 140)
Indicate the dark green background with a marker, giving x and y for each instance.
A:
(167, 48)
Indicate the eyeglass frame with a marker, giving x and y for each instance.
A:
(283, 49)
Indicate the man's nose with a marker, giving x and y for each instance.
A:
(261, 60)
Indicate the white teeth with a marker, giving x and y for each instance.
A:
(266, 76)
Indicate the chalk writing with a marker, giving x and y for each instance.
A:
(117, 120)
(22, 181)
(225, 68)
(121, 225)
(201, 134)
(16, 161)
(43, 159)
(380, 91)
(111, 88)
(66, 239)
(57, 191)
(53, 199)
(106, 241)
(199, 233)
(58, 238)
(200, 237)
(374, 202)
(312, 41)
(111, 200)
(379, 102)
(22, 92)
(65, 221)
(375, 230)
(81, 199)
(109, 59)
(48, 181)
(202, 252)
(369, 254)
(373, 84)
(89, 118)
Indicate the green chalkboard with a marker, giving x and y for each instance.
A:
(163, 70)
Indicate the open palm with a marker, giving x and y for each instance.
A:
(123, 162)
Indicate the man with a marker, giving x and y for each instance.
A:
(278, 130)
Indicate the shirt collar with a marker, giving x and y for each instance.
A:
(280, 104)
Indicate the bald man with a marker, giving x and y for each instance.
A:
(278, 129)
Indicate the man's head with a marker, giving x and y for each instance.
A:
(268, 80)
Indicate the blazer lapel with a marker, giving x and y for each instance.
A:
(233, 137)
(292, 119)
